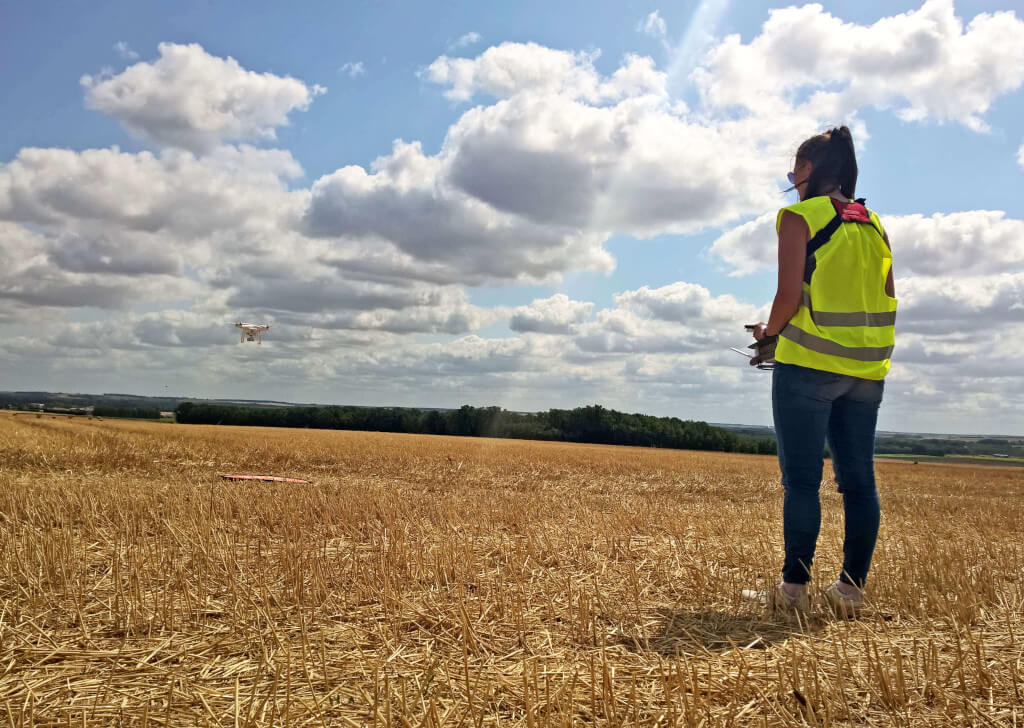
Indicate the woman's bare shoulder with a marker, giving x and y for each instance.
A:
(792, 225)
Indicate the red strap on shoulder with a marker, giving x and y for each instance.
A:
(852, 211)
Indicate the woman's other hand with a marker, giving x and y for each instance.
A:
(759, 330)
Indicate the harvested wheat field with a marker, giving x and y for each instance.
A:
(444, 582)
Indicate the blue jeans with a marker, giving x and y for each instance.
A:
(809, 406)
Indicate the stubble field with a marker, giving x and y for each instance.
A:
(444, 582)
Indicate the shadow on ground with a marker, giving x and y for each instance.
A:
(685, 631)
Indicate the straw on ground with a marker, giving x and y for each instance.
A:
(440, 581)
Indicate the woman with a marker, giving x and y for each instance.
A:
(834, 315)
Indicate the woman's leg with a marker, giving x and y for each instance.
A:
(801, 403)
(851, 437)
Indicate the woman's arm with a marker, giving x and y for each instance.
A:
(793, 237)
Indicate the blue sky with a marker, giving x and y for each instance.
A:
(123, 272)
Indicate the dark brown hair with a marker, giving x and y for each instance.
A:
(835, 163)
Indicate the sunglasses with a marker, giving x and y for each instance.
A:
(792, 178)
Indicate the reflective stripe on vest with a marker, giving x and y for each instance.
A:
(827, 346)
(849, 318)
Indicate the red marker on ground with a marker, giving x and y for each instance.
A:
(271, 478)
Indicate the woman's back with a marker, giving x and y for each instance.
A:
(845, 322)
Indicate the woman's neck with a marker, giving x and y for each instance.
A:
(835, 194)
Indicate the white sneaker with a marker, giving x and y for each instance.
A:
(779, 600)
(843, 603)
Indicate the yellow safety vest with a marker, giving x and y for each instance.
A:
(846, 320)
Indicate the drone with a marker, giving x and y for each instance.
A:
(252, 332)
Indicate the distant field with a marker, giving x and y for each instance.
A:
(431, 581)
(969, 459)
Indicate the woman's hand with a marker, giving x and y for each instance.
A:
(759, 330)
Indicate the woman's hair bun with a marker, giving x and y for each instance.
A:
(835, 162)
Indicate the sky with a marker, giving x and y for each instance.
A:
(528, 205)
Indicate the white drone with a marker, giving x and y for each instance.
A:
(252, 332)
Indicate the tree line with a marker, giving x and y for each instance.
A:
(593, 424)
(141, 413)
(948, 446)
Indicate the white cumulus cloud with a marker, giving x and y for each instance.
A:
(511, 68)
(403, 203)
(681, 317)
(972, 305)
(972, 242)
(38, 271)
(924, 64)
(558, 314)
(173, 192)
(188, 98)
(749, 247)
(629, 167)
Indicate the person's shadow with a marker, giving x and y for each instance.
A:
(686, 631)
